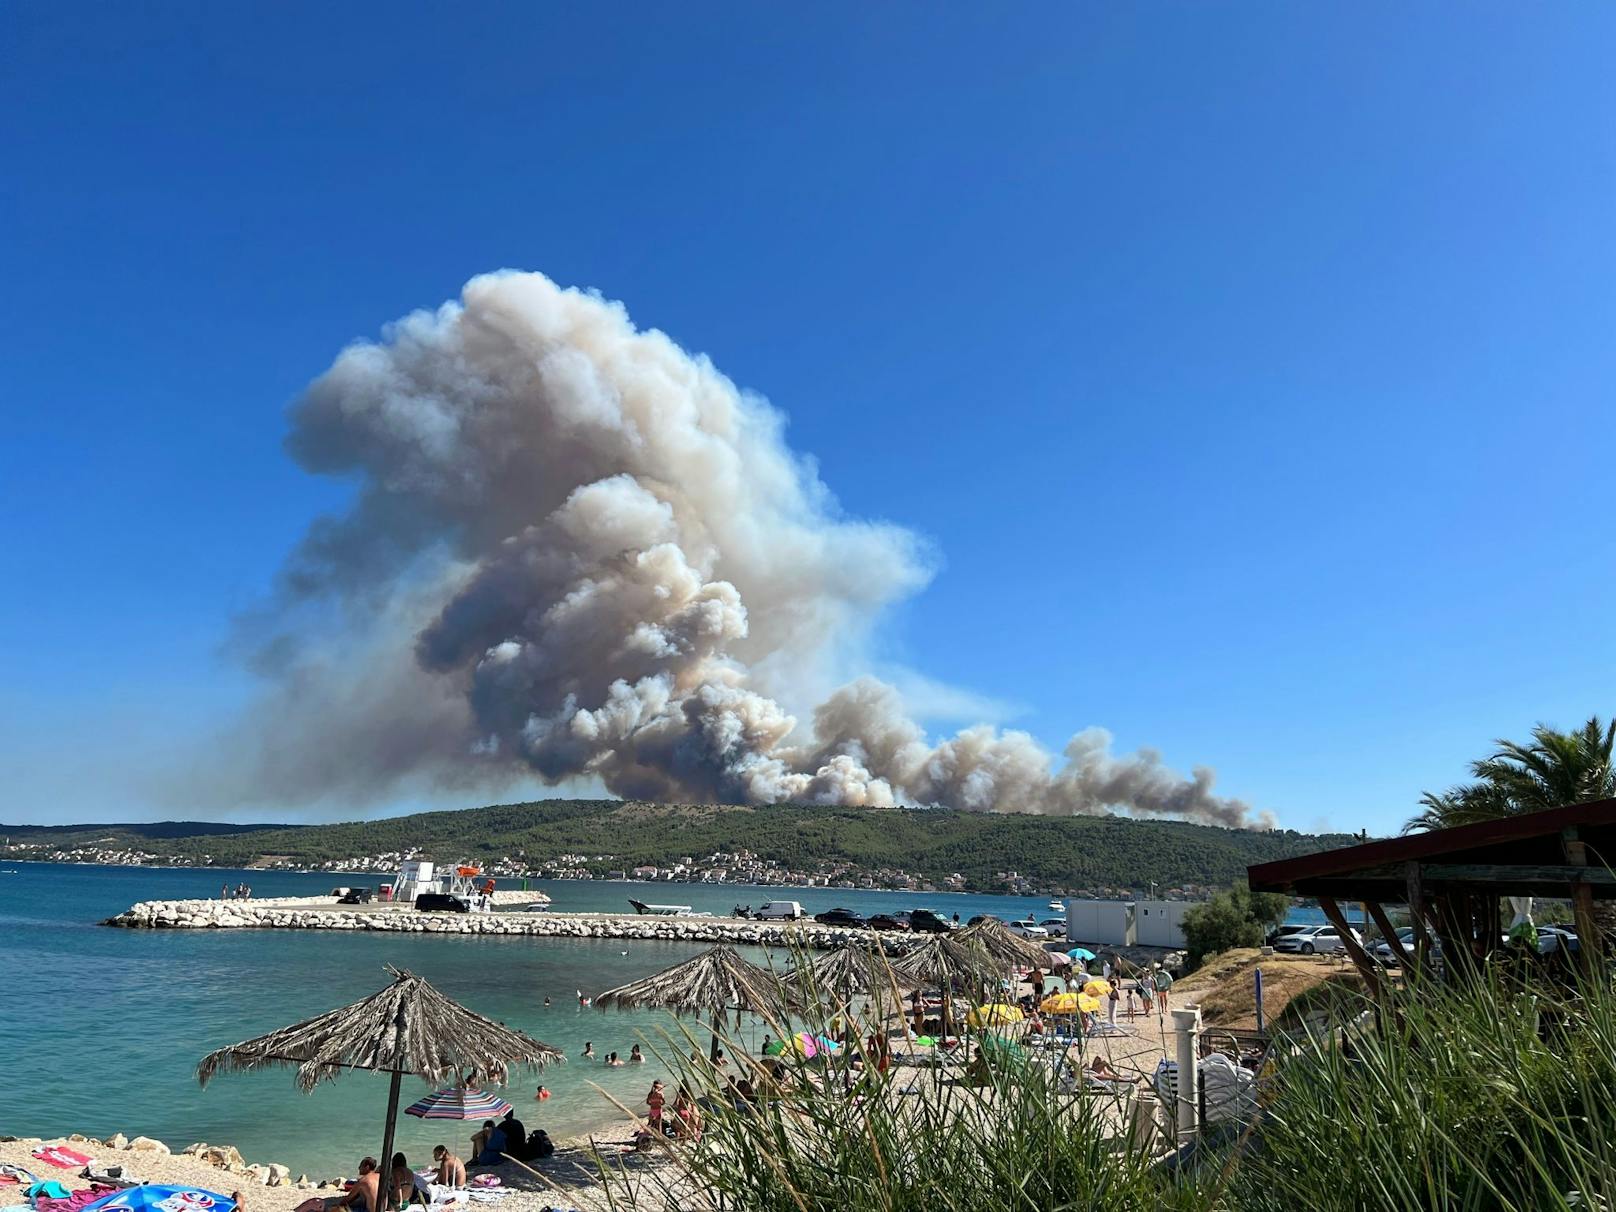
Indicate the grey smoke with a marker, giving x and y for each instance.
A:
(577, 551)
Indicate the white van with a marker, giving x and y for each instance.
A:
(788, 911)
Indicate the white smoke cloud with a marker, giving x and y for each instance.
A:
(578, 552)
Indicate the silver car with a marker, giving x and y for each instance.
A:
(1313, 940)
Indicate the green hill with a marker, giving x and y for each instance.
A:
(1071, 852)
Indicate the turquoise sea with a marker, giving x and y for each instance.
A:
(102, 1028)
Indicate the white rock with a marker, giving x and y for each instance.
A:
(279, 1175)
(145, 1144)
(117, 1141)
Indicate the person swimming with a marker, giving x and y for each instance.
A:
(613, 1061)
(635, 1056)
(589, 1050)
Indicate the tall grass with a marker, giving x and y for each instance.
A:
(1494, 1094)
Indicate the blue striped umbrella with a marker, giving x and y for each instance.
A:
(458, 1102)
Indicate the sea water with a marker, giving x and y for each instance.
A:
(101, 1029)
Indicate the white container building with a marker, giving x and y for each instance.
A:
(1126, 923)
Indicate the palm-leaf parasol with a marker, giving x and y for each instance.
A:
(1003, 946)
(408, 1027)
(714, 982)
(846, 972)
(942, 962)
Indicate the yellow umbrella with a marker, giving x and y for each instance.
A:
(1097, 988)
(994, 1015)
(1087, 1004)
(1059, 1003)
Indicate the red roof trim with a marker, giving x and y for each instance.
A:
(1348, 860)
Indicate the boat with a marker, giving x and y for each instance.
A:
(417, 877)
(1056, 905)
(665, 910)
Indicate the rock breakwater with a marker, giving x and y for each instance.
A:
(247, 915)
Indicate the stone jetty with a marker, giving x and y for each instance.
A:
(272, 915)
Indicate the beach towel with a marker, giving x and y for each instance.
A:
(74, 1200)
(61, 1157)
(46, 1190)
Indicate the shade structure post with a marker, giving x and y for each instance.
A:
(718, 1026)
(384, 1190)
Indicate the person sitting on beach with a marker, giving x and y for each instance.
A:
(613, 1061)
(539, 1145)
(686, 1115)
(589, 1050)
(515, 1134)
(480, 1139)
(402, 1189)
(635, 1056)
(451, 1170)
(493, 1145)
(365, 1192)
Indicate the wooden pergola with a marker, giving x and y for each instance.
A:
(1452, 880)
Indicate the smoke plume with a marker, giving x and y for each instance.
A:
(575, 550)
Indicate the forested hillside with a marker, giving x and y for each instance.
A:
(930, 843)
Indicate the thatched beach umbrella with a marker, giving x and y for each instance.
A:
(844, 973)
(941, 962)
(712, 983)
(1003, 946)
(408, 1027)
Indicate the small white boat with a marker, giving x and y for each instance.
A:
(1056, 905)
(665, 910)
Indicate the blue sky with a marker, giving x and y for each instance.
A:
(1250, 368)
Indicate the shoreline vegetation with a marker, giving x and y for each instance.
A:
(921, 849)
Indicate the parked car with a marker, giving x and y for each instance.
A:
(356, 896)
(1028, 928)
(442, 902)
(842, 917)
(1055, 925)
(1313, 939)
(979, 919)
(1279, 932)
(1391, 956)
(927, 922)
(779, 911)
(1557, 938)
(886, 921)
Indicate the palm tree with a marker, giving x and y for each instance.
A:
(1555, 769)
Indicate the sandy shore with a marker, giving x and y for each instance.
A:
(569, 1179)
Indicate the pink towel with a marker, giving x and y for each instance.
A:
(74, 1201)
(62, 1157)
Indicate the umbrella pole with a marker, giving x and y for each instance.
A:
(718, 1025)
(384, 1193)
